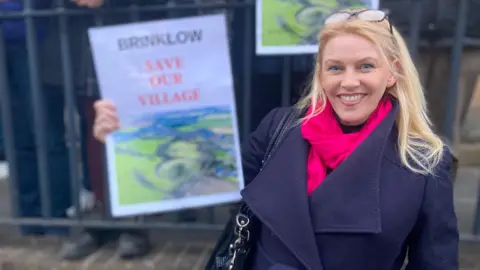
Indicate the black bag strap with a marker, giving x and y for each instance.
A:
(284, 124)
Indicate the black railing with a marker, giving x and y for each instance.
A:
(243, 60)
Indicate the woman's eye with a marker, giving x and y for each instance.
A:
(333, 68)
(366, 67)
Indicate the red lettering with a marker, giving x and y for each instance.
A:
(149, 65)
(142, 100)
(154, 99)
(175, 62)
(177, 78)
(165, 98)
(176, 98)
(190, 95)
(166, 79)
(164, 64)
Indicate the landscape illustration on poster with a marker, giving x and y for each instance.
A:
(178, 145)
(287, 27)
(179, 154)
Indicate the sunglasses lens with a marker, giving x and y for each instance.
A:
(371, 15)
(337, 17)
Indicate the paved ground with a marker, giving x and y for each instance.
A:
(172, 253)
(176, 250)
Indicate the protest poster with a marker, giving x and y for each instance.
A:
(289, 27)
(178, 143)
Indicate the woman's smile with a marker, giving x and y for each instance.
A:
(351, 99)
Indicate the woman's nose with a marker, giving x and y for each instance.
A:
(350, 80)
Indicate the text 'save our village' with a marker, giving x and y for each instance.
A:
(166, 72)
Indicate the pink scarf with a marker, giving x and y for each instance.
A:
(329, 145)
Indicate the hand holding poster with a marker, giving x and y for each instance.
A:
(287, 27)
(178, 144)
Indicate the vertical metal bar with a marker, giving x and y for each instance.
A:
(200, 11)
(210, 210)
(287, 81)
(415, 24)
(106, 186)
(69, 95)
(247, 71)
(91, 80)
(8, 132)
(134, 13)
(38, 110)
(171, 12)
(93, 84)
(455, 65)
(98, 18)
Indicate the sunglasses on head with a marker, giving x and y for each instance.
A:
(369, 15)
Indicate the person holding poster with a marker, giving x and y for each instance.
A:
(173, 144)
(356, 177)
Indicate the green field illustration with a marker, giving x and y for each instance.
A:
(171, 155)
(298, 22)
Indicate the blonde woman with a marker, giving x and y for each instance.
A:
(360, 181)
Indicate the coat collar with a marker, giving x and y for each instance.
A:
(348, 198)
(278, 194)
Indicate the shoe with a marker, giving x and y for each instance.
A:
(133, 245)
(85, 245)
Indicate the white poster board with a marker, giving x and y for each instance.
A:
(178, 145)
(289, 27)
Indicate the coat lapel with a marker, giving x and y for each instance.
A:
(348, 198)
(278, 197)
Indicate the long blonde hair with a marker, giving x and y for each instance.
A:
(419, 147)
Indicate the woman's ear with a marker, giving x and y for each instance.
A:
(393, 75)
(391, 80)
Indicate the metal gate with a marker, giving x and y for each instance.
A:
(241, 28)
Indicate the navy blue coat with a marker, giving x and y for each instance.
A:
(363, 216)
